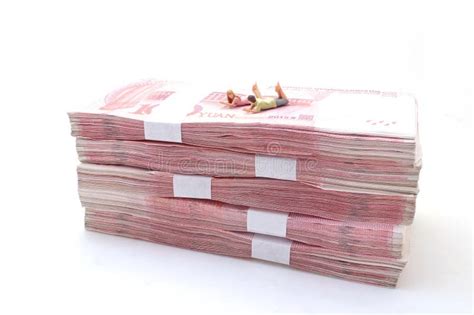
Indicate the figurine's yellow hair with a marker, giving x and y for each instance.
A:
(229, 99)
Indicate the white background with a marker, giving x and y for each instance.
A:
(55, 55)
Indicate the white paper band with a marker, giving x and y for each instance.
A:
(162, 131)
(192, 186)
(271, 248)
(267, 222)
(275, 167)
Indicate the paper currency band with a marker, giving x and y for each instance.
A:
(403, 232)
(192, 186)
(271, 248)
(275, 167)
(162, 131)
(267, 222)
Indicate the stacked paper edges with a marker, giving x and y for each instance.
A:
(325, 184)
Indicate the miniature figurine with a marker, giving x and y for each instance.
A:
(234, 100)
(258, 103)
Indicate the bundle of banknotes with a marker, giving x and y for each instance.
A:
(322, 180)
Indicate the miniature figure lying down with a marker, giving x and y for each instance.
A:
(258, 103)
(233, 100)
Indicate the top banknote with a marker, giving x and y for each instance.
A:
(275, 120)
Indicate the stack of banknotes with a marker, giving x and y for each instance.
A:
(326, 183)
